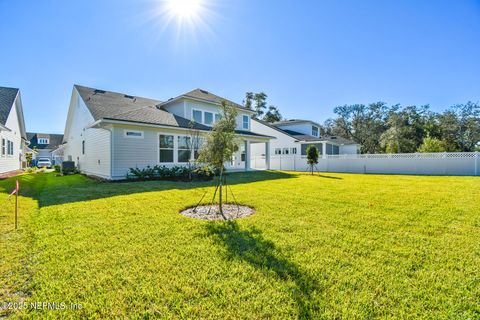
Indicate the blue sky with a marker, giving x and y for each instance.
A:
(308, 56)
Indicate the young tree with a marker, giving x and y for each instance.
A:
(312, 156)
(220, 145)
(431, 145)
(260, 104)
(272, 115)
(29, 158)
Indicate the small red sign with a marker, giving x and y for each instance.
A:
(17, 187)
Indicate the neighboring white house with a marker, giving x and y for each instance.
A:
(45, 145)
(292, 139)
(13, 137)
(107, 133)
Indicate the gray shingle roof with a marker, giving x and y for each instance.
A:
(305, 137)
(7, 98)
(107, 104)
(153, 115)
(115, 106)
(204, 95)
(55, 140)
(294, 121)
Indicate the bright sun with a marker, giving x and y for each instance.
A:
(184, 8)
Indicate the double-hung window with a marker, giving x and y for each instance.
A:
(245, 122)
(278, 151)
(3, 147)
(285, 151)
(166, 148)
(294, 150)
(314, 131)
(9, 148)
(184, 148)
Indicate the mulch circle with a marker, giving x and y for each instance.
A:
(211, 212)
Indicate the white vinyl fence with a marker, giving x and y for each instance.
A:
(444, 163)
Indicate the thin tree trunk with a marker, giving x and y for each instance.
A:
(220, 202)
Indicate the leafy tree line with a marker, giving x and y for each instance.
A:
(379, 128)
(258, 103)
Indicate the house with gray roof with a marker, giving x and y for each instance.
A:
(107, 133)
(46, 145)
(292, 137)
(13, 137)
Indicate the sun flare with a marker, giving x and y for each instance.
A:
(184, 9)
(184, 19)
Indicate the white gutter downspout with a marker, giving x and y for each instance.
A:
(111, 151)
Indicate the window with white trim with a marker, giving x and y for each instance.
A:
(208, 118)
(133, 134)
(218, 116)
(245, 122)
(285, 151)
(83, 146)
(314, 131)
(293, 150)
(3, 147)
(42, 140)
(183, 148)
(278, 150)
(197, 116)
(166, 148)
(9, 148)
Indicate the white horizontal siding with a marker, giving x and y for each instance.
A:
(12, 162)
(139, 152)
(96, 160)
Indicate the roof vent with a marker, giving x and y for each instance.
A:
(99, 91)
(129, 97)
(203, 91)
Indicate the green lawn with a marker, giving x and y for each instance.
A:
(330, 246)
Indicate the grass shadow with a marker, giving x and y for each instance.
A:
(49, 189)
(316, 174)
(251, 247)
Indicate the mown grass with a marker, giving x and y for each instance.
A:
(330, 246)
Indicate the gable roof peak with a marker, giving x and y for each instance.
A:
(7, 98)
(205, 96)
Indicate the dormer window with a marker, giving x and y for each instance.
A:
(197, 116)
(42, 141)
(314, 131)
(208, 118)
(245, 122)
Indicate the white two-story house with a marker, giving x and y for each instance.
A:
(107, 133)
(45, 145)
(292, 138)
(13, 137)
